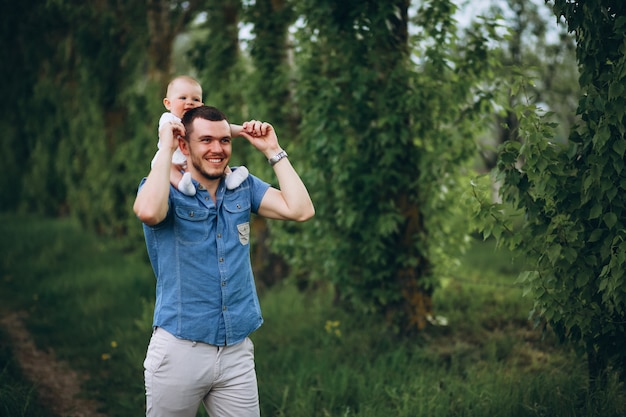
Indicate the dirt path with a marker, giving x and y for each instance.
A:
(57, 384)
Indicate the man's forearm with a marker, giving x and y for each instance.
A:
(294, 192)
(151, 204)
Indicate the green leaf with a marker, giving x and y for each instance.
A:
(610, 219)
(601, 137)
(596, 235)
(616, 89)
(554, 253)
(595, 211)
(582, 279)
(619, 146)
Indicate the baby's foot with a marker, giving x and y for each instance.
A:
(186, 186)
(234, 179)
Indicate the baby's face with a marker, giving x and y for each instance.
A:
(182, 96)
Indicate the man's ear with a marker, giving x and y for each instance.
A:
(183, 145)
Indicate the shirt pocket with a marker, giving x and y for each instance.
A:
(191, 224)
(244, 233)
(238, 216)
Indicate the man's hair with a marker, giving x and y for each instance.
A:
(210, 113)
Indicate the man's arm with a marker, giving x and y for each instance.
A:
(292, 200)
(151, 203)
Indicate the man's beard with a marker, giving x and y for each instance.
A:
(199, 168)
(210, 176)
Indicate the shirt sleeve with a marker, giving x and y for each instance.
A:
(258, 188)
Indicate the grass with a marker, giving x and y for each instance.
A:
(85, 298)
(92, 303)
(18, 397)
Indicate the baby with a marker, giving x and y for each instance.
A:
(185, 93)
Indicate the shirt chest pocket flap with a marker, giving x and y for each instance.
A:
(192, 226)
(237, 206)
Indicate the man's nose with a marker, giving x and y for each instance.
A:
(215, 146)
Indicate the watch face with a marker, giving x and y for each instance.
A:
(274, 159)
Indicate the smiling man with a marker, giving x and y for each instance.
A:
(206, 301)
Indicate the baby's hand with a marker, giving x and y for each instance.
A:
(235, 130)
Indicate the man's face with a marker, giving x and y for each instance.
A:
(209, 148)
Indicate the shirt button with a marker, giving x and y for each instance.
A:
(219, 235)
(224, 308)
(206, 198)
(223, 283)
(221, 259)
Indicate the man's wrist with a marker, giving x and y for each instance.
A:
(277, 157)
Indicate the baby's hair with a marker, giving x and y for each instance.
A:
(185, 78)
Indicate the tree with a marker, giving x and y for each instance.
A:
(572, 196)
(215, 55)
(389, 122)
(92, 103)
(166, 20)
(269, 96)
(542, 53)
(23, 25)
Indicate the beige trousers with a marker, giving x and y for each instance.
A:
(181, 374)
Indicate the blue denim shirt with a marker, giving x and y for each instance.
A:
(200, 254)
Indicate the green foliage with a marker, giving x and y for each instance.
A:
(572, 197)
(217, 58)
(81, 129)
(389, 141)
(269, 94)
(24, 26)
(545, 52)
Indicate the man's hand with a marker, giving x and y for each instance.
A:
(262, 136)
(170, 133)
(291, 201)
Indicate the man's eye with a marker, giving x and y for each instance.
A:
(225, 140)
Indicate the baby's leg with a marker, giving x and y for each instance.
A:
(236, 177)
(233, 181)
(235, 130)
(182, 181)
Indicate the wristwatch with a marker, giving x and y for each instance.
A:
(274, 159)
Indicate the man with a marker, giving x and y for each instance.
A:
(206, 301)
